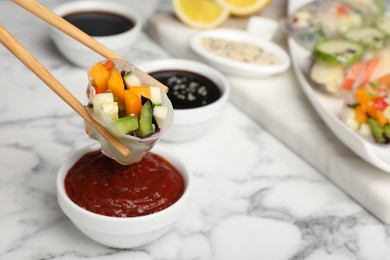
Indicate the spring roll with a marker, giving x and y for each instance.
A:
(130, 104)
(367, 110)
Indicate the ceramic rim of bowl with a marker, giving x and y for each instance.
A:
(113, 7)
(189, 65)
(233, 35)
(75, 156)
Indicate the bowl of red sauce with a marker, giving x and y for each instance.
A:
(198, 94)
(123, 206)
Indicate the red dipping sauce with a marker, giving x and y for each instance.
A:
(103, 186)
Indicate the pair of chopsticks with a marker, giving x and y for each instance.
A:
(36, 67)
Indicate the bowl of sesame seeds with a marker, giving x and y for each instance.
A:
(197, 92)
(240, 53)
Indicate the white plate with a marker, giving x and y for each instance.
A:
(330, 108)
(241, 68)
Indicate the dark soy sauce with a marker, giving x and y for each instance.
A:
(100, 23)
(188, 89)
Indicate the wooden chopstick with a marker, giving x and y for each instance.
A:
(60, 23)
(35, 66)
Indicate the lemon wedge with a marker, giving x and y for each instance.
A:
(201, 14)
(244, 7)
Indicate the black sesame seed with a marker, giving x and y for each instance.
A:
(188, 89)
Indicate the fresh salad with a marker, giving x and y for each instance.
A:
(367, 110)
(348, 41)
(340, 65)
(319, 20)
(134, 109)
(128, 103)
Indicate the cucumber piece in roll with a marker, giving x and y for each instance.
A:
(340, 51)
(370, 37)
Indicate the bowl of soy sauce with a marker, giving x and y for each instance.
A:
(115, 25)
(198, 93)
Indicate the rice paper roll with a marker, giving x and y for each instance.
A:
(367, 110)
(320, 20)
(138, 144)
(304, 25)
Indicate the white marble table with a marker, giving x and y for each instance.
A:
(253, 198)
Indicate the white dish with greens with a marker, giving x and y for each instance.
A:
(339, 62)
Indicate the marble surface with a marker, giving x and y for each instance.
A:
(253, 197)
(280, 106)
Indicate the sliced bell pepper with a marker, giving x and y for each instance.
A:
(360, 115)
(115, 83)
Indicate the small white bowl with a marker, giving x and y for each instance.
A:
(239, 68)
(264, 27)
(193, 122)
(122, 232)
(120, 43)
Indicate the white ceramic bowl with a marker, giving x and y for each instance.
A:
(192, 123)
(263, 27)
(147, 10)
(239, 68)
(81, 55)
(122, 232)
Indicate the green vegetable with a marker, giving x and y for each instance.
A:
(383, 23)
(338, 51)
(386, 130)
(131, 79)
(376, 130)
(126, 124)
(145, 122)
(155, 95)
(370, 37)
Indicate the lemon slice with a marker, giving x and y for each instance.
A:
(244, 7)
(202, 14)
